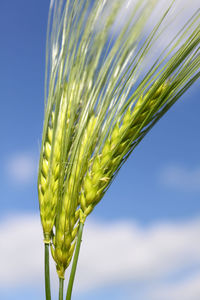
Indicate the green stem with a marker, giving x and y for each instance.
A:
(47, 276)
(74, 264)
(61, 285)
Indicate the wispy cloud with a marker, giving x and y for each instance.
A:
(180, 177)
(179, 14)
(111, 252)
(21, 168)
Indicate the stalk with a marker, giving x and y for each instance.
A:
(75, 261)
(47, 275)
(61, 285)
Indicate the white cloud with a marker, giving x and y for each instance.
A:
(20, 250)
(21, 168)
(187, 289)
(175, 176)
(111, 252)
(180, 12)
(122, 251)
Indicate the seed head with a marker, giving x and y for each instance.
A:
(101, 100)
(123, 134)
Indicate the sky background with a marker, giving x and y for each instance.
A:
(142, 240)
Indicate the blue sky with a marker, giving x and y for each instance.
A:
(156, 192)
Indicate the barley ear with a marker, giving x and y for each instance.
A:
(47, 188)
(122, 135)
(50, 164)
(69, 214)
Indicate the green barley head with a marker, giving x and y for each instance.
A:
(101, 100)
